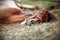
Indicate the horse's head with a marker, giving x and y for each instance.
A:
(42, 16)
(37, 18)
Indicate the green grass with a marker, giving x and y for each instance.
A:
(40, 4)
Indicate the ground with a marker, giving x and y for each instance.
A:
(42, 31)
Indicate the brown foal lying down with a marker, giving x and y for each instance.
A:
(13, 15)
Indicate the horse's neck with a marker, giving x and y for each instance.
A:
(8, 3)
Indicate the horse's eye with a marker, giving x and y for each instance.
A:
(32, 22)
(39, 11)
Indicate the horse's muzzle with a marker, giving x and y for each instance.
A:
(29, 22)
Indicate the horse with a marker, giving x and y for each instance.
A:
(12, 14)
(15, 16)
